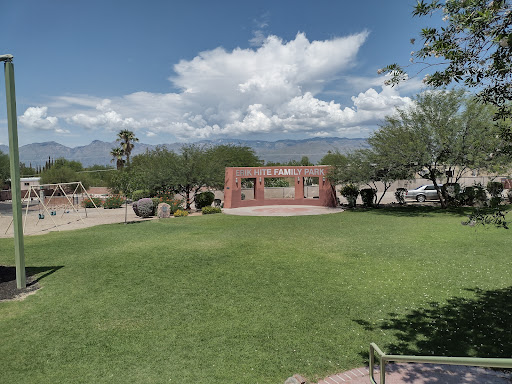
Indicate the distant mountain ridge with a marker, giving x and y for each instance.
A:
(98, 152)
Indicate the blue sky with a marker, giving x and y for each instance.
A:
(190, 70)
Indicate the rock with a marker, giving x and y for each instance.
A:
(163, 211)
(295, 379)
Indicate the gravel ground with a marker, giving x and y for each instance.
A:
(65, 219)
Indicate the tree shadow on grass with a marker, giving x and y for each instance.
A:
(8, 286)
(477, 327)
(433, 211)
(422, 211)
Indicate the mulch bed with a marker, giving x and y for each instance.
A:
(8, 287)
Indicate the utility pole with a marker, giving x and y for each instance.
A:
(14, 157)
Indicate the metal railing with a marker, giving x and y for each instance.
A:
(467, 361)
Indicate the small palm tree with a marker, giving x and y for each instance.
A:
(117, 156)
(126, 138)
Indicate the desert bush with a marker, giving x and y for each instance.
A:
(480, 195)
(175, 205)
(467, 196)
(144, 207)
(368, 196)
(113, 201)
(88, 203)
(156, 201)
(350, 192)
(180, 213)
(451, 192)
(204, 199)
(140, 194)
(210, 210)
(166, 198)
(400, 195)
(495, 189)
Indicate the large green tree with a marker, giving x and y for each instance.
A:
(5, 171)
(186, 172)
(229, 155)
(366, 167)
(474, 46)
(443, 131)
(64, 171)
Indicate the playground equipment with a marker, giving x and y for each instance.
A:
(38, 193)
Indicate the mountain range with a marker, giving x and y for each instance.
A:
(98, 152)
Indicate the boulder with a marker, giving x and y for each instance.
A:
(163, 211)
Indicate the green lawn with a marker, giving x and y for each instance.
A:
(227, 299)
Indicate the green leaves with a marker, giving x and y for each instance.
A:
(476, 44)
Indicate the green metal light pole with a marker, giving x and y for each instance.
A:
(19, 249)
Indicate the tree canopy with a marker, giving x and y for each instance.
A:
(473, 47)
(5, 170)
(186, 172)
(442, 136)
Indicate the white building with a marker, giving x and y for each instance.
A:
(27, 182)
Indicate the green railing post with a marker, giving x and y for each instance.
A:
(467, 361)
(19, 251)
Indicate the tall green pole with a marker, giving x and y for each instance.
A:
(19, 249)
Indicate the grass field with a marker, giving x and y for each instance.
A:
(227, 299)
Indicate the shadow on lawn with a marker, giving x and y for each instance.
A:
(477, 327)
(8, 287)
(422, 211)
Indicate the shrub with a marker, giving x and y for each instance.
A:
(368, 196)
(204, 199)
(156, 201)
(144, 207)
(495, 189)
(140, 194)
(350, 192)
(210, 210)
(175, 204)
(400, 195)
(88, 203)
(480, 195)
(451, 192)
(166, 198)
(180, 213)
(509, 196)
(113, 201)
(467, 196)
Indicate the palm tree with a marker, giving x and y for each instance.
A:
(127, 138)
(117, 156)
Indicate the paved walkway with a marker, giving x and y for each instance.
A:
(423, 374)
(281, 210)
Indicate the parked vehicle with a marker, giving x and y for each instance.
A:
(425, 192)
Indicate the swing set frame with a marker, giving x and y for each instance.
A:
(35, 191)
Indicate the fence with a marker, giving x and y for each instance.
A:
(467, 361)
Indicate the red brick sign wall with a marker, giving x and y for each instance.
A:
(233, 186)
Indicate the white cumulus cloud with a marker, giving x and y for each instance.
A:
(274, 88)
(37, 118)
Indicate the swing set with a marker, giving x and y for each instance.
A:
(38, 193)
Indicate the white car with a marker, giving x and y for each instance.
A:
(425, 192)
